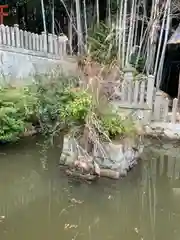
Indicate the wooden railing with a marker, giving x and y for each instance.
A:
(15, 37)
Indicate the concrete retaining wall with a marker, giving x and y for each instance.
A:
(23, 63)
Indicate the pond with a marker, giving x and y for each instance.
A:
(37, 202)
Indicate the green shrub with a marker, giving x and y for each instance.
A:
(52, 96)
(17, 106)
(55, 105)
(76, 108)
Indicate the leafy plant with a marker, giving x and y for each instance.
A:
(77, 108)
(17, 105)
(112, 125)
(11, 126)
(101, 44)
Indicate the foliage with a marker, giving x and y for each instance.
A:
(55, 104)
(101, 44)
(77, 108)
(17, 106)
(52, 93)
(112, 125)
(138, 63)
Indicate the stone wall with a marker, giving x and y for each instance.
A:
(22, 63)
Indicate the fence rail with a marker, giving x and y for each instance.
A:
(15, 37)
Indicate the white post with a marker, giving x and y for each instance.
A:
(30, 40)
(55, 44)
(174, 110)
(21, 33)
(44, 42)
(26, 41)
(128, 83)
(37, 42)
(65, 39)
(33, 41)
(3, 34)
(50, 43)
(142, 91)
(136, 92)
(8, 36)
(166, 109)
(150, 90)
(40, 43)
(17, 37)
(13, 43)
(157, 106)
(60, 47)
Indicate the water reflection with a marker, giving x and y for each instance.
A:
(40, 203)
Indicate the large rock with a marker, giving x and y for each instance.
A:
(117, 156)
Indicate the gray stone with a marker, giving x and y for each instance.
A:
(116, 156)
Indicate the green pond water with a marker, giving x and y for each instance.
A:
(37, 202)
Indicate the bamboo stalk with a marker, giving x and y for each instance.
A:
(79, 27)
(97, 11)
(85, 23)
(131, 33)
(135, 25)
(124, 33)
(160, 40)
(109, 12)
(44, 17)
(159, 73)
(120, 30)
(70, 29)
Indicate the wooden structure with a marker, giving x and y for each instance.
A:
(2, 13)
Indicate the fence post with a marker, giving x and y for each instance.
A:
(37, 42)
(174, 111)
(33, 41)
(21, 33)
(60, 47)
(157, 106)
(41, 43)
(30, 40)
(26, 41)
(150, 91)
(65, 40)
(0, 35)
(50, 43)
(3, 32)
(55, 40)
(17, 36)
(128, 83)
(8, 36)
(12, 36)
(44, 42)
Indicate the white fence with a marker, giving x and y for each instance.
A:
(15, 37)
(141, 94)
(162, 112)
(135, 92)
